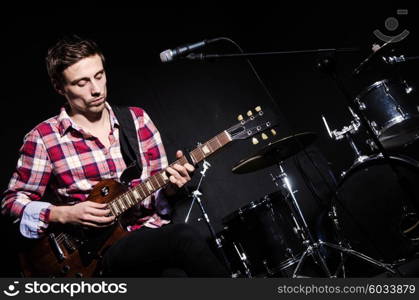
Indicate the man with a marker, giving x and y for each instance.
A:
(78, 148)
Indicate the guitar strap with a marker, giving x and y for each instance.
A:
(128, 139)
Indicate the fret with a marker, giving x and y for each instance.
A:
(213, 145)
(149, 186)
(164, 176)
(112, 208)
(183, 160)
(216, 139)
(201, 152)
(122, 203)
(115, 204)
(225, 137)
(160, 178)
(142, 189)
(135, 194)
(206, 149)
(192, 154)
(134, 197)
(131, 199)
(155, 182)
(198, 154)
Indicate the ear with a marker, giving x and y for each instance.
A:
(58, 88)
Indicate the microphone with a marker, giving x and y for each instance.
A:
(179, 52)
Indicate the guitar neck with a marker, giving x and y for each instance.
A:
(160, 179)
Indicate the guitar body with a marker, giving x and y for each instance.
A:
(73, 251)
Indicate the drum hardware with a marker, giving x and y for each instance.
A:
(311, 246)
(196, 198)
(243, 260)
(377, 53)
(393, 130)
(347, 132)
(274, 154)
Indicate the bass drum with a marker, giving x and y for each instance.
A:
(377, 211)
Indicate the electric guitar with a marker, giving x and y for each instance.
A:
(76, 251)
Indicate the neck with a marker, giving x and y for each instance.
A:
(90, 120)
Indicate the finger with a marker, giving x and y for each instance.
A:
(179, 154)
(99, 220)
(95, 204)
(181, 170)
(189, 167)
(173, 172)
(179, 182)
(99, 212)
(170, 170)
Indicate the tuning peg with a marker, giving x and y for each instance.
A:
(258, 108)
(273, 131)
(264, 136)
(240, 118)
(249, 113)
(255, 141)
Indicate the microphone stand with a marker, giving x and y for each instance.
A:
(196, 197)
(202, 56)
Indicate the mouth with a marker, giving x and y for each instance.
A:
(98, 101)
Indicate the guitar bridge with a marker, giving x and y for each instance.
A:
(55, 246)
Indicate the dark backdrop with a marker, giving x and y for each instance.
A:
(193, 101)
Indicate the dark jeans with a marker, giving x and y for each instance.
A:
(147, 252)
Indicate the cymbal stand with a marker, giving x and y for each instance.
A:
(196, 198)
(312, 246)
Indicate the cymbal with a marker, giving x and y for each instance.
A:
(275, 152)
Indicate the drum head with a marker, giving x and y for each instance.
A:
(372, 206)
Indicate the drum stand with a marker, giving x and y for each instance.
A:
(312, 246)
(196, 197)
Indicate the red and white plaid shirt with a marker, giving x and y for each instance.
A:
(59, 153)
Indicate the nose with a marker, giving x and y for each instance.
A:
(95, 89)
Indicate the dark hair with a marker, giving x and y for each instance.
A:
(66, 52)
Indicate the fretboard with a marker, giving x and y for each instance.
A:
(158, 180)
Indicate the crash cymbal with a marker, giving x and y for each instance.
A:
(275, 152)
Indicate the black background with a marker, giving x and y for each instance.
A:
(192, 101)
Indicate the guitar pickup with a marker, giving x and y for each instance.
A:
(69, 244)
(55, 246)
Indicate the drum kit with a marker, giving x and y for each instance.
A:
(372, 215)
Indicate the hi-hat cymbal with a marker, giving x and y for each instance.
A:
(275, 152)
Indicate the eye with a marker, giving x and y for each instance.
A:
(99, 75)
(81, 83)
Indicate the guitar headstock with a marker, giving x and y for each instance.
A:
(264, 136)
(250, 125)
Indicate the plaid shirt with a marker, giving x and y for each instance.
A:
(60, 153)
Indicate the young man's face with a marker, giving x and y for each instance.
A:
(85, 86)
